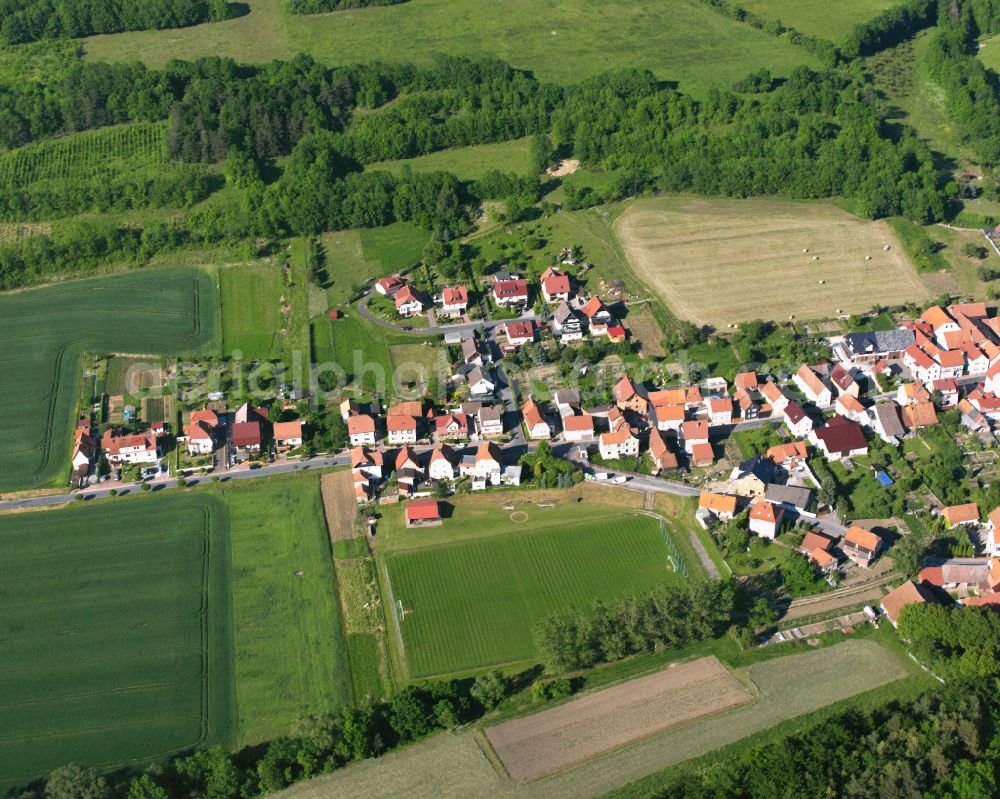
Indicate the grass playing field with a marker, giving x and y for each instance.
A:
(115, 622)
(291, 655)
(170, 311)
(474, 603)
(251, 309)
(561, 41)
(722, 261)
(816, 17)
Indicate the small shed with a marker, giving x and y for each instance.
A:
(423, 513)
(334, 313)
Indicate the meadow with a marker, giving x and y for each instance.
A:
(251, 309)
(291, 654)
(816, 17)
(468, 163)
(682, 41)
(45, 330)
(116, 629)
(474, 603)
(718, 262)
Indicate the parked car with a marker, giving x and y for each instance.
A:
(620, 478)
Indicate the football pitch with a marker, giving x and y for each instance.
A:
(163, 311)
(474, 603)
(115, 629)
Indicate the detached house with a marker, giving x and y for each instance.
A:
(401, 429)
(798, 423)
(409, 302)
(566, 324)
(287, 435)
(199, 438)
(751, 478)
(510, 292)
(534, 421)
(481, 383)
(668, 417)
(519, 333)
(774, 396)
(887, 423)
(717, 506)
(765, 519)
(992, 537)
(361, 430)
(598, 317)
(443, 464)
(810, 384)
(720, 411)
(488, 463)
(862, 546)
(451, 427)
(387, 286)
(850, 407)
(955, 515)
(367, 462)
(555, 285)
(578, 428)
(840, 438)
(844, 381)
(248, 438)
(909, 593)
(454, 300)
(84, 451)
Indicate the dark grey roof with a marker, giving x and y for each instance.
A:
(887, 416)
(880, 341)
(567, 396)
(563, 312)
(758, 466)
(790, 496)
(491, 413)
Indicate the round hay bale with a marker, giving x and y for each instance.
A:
(299, 572)
(805, 249)
(886, 248)
(821, 282)
(815, 257)
(868, 257)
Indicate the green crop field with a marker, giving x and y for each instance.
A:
(291, 655)
(169, 311)
(818, 17)
(561, 41)
(115, 623)
(474, 603)
(469, 163)
(251, 309)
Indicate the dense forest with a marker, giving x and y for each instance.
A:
(30, 20)
(942, 745)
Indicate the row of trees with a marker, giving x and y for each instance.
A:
(671, 615)
(941, 745)
(894, 25)
(322, 6)
(29, 20)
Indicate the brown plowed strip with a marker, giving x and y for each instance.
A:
(339, 504)
(536, 745)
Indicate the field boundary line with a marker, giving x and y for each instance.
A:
(395, 619)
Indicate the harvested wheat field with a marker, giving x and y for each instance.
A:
(554, 739)
(717, 262)
(339, 504)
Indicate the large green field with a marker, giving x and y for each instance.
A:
(474, 603)
(168, 311)
(468, 163)
(560, 40)
(291, 656)
(115, 629)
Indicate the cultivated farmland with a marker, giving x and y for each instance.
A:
(291, 656)
(115, 624)
(602, 721)
(721, 261)
(169, 311)
(474, 603)
(682, 40)
(454, 764)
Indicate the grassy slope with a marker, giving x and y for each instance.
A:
(170, 311)
(469, 163)
(818, 17)
(561, 41)
(291, 656)
(116, 630)
(474, 603)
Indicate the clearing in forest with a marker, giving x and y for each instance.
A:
(717, 262)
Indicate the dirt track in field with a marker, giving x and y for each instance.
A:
(723, 261)
(536, 745)
(339, 504)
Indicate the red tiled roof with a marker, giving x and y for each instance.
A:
(455, 295)
(506, 289)
(556, 284)
(422, 510)
(360, 424)
(246, 434)
(285, 430)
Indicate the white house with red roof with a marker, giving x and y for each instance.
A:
(765, 519)
(387, 286)
(578, 428)
(598, 317)
(408, 302)
(720, 411)
(555, 285)
(922, 366)
(199, 438)
(361, 430)
(620, 443)
(510, 292)
(454, 300)
(401, 429)
(947, 390)
(534, 421)
(139, 448)
(694, 433)
(775, 397)
(443, 464)
(809, 383)
(287, 435)
(519, 332)
(451, 427)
